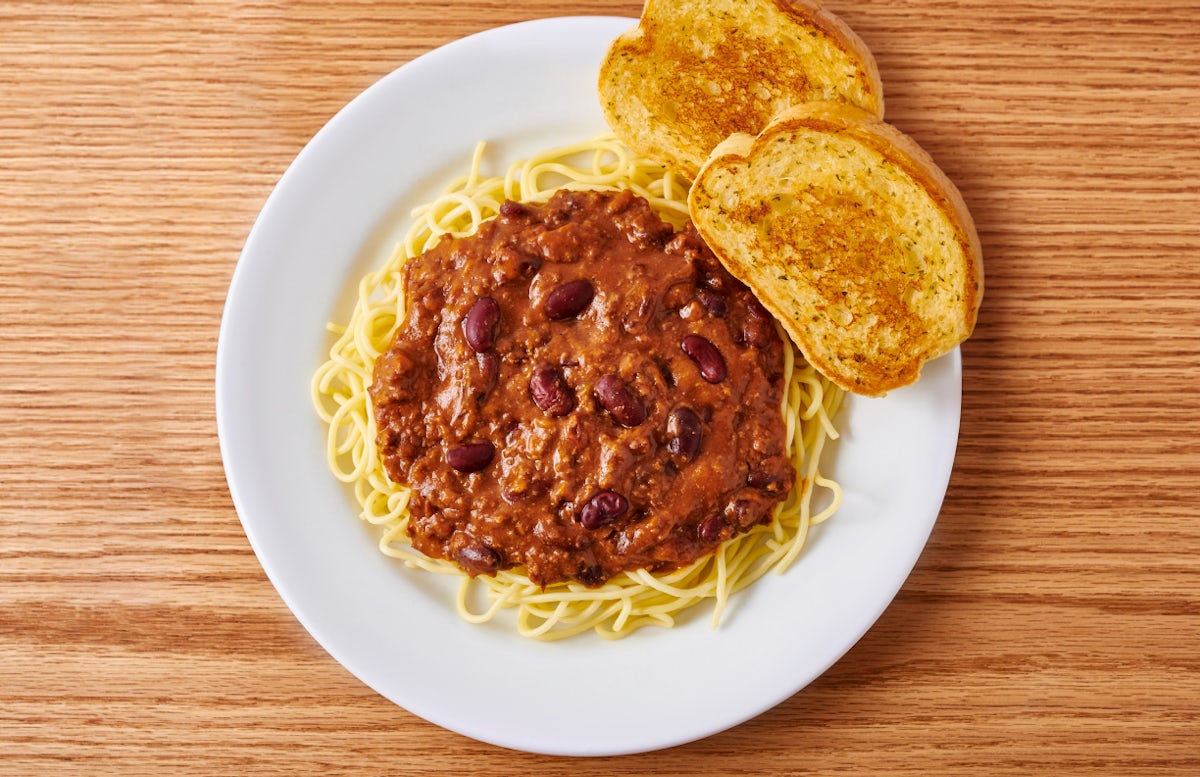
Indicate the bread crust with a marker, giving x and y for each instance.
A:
(846, 291)
(691, 73)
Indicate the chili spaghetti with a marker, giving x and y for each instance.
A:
(632, 599)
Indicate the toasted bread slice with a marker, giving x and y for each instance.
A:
(851, 235)
(692, 72)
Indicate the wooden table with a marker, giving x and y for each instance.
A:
(1052, 626)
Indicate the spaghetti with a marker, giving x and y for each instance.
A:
(630, 600)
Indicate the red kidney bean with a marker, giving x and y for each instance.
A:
(713, 302)
(549, 390)
(742, 512)
(591, 576)
(758, 328)
(684, 433)
(510, 209)
(759, 477)
(489, 370)
(618, 400)
(478, 559)
(529, 265)
(664, 369)
(773, 475)
(602, 509)
(756, 332)
(479, 326)
(471, 457)
(569, 299)
(706, 356)
(710, 529)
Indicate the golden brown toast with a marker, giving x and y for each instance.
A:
(692, 72)
(851, 235)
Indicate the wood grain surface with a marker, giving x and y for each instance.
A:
(1051, 627)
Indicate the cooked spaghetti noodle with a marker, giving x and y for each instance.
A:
(630, 600)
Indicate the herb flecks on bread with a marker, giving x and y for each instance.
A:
(851, 235)
(692, 73)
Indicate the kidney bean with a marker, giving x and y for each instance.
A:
(760, 478)
(756, 310)
(591, 576)
(756, 333)
(773, 475)
(684, 433)
(757, 329)
(618, 400)
(479, 326)
(569, 299)
(602, 509)
(765, 479)
(710, 529)
(489, 370)
(549, 390)
(529, 265)
(471, 457)
(664, 369)
(478, 559)
(706, 356)
(742, 513)
(510, 209)
(713, 302)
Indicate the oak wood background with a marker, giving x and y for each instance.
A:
(1052, 626)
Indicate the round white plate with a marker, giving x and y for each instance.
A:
(336, 213)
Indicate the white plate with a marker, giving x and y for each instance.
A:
(335, 214)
